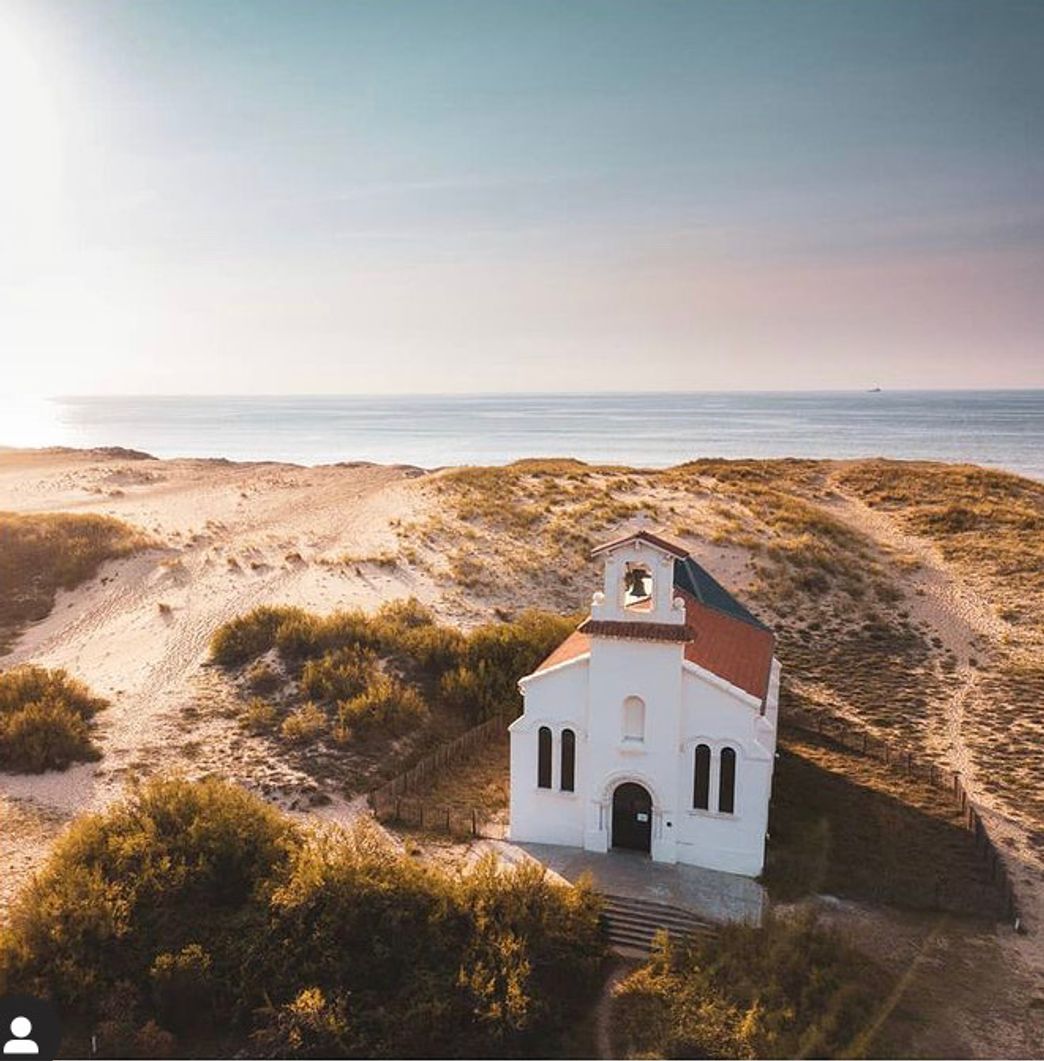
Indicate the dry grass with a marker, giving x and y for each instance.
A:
(40, 554)
(480, 782)
(988, 528)
(834, 596)
(849, 825)
(988, 524)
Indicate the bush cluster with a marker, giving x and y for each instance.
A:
(45, 720)
(386, 705)
(382, 670)
(787, 989)
(194, 920)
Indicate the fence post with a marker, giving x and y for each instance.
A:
(474, 822)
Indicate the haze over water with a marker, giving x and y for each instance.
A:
(1003, 429)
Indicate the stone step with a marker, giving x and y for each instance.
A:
(633, 923)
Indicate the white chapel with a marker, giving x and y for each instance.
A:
(653, 725)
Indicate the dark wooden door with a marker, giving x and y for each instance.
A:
(632, 817)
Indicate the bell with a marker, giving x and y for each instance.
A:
(636, 583)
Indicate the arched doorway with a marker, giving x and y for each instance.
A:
(632, 817)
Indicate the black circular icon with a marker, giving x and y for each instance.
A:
(29, 1028)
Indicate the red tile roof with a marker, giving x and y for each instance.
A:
(735, 650)
(576, 644)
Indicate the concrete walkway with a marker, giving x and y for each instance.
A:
(707, 893)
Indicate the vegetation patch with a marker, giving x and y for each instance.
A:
(40, 554)
(194, 920)
(358, 697)
(788, 989)
(988, 527)
(45, 720)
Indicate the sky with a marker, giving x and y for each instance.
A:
(449, 196)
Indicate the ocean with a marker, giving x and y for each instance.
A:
(1003, 429)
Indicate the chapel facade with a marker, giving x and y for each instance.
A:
(652, 727)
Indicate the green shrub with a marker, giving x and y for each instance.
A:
(45, 720)
(476, 674)
(263, 679)
(309, 1026)
(303, 725)
(339, 675)
(175, 863)
(248, 636)
(182, 987)
(259, 716)
(307, 636)
(194, 907)
(404, 614)
(788, 989)
(495, 657)
(386, 704)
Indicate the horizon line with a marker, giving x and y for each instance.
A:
(531, 394)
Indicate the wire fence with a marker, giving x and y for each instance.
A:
(855, 737)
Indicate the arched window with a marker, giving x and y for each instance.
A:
(727, 782)
(568, 775)
(543, 757)
(701, 778)
(634, 718)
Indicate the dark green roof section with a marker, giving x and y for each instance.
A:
(689, 576)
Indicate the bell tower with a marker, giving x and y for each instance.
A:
(638, 581)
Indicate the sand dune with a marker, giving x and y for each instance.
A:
(230, 536)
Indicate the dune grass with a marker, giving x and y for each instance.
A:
(42, 553)
(988, 524)
(835, 598)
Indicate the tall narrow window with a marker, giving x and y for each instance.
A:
(568, 776)
(701, 778)
(634, 719)
(727, 782)
(543, 757)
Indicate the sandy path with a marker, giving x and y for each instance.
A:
(968, 625)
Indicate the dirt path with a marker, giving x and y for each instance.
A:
(603, 1015)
